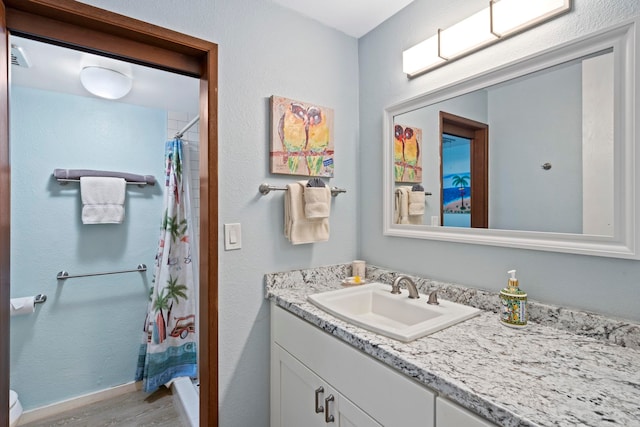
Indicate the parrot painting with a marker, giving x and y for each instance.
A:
(305, 133)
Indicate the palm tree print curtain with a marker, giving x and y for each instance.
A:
(168, 349)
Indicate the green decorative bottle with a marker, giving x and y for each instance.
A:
(513, 304)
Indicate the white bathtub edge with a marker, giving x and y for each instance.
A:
(186, 400)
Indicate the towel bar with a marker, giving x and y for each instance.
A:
(64, 181)
(266, 189)
(63, 176)
(64, 275)
(427, 193)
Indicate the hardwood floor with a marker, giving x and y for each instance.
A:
(132, 409)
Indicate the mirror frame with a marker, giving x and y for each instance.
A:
(625, 41)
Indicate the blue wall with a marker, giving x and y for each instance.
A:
(522, 194)
(86, 336)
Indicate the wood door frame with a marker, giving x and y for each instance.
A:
(478, 133)
(84, 27)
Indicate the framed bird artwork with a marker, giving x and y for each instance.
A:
(407, 163)
(301, 138)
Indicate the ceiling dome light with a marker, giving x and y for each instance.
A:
(105, 83)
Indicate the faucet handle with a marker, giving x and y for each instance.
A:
(395, 288)
(433, 298)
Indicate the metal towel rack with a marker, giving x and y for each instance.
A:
(64, 275)
(266, 189)
(40, 298)
(428, 193)
(64, 181)
(64, 176)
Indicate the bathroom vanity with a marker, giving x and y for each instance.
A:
(476, 373)
(317, 379)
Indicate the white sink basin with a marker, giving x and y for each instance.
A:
(375, 308)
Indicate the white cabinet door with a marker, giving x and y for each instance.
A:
(449, 414)
(349, 415)
(296, 393)
(300, 398)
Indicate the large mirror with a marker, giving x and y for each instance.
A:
(537, 154)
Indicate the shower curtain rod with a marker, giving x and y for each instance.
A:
(187, 127)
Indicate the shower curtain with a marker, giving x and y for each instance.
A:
(168, 348)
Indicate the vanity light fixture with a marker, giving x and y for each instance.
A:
(501, 19)
(105, 82)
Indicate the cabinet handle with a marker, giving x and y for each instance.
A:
(328, 418)
(319, 391)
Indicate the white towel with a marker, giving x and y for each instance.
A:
(416, 202)
(317, 202)
(298, 228)
(401, 206)
(409, 206)
(102, 199)
(416, 207)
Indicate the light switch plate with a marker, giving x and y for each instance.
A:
(232, 236)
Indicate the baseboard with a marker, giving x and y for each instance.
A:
(78, 402)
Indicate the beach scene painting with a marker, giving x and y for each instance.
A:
(301, 138)
(456, 193)
(407, 162)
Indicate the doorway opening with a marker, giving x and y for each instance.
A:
(89, 132)
(72, 24)
(464, 172)
(456, 181)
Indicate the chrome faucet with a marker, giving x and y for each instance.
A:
(433, 298)
(411, 287)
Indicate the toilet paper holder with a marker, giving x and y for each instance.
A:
(26, 305)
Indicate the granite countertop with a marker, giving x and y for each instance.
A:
(584, 370)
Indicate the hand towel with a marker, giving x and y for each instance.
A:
(416, 202)
(401, 206)
(416, 206)
(317, 202)
(102, 200)
(298, 228)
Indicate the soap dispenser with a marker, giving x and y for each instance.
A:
(513, 303)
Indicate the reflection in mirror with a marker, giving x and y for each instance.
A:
(548, 157)
(455, 180)
(561, 115)
(464, 171)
